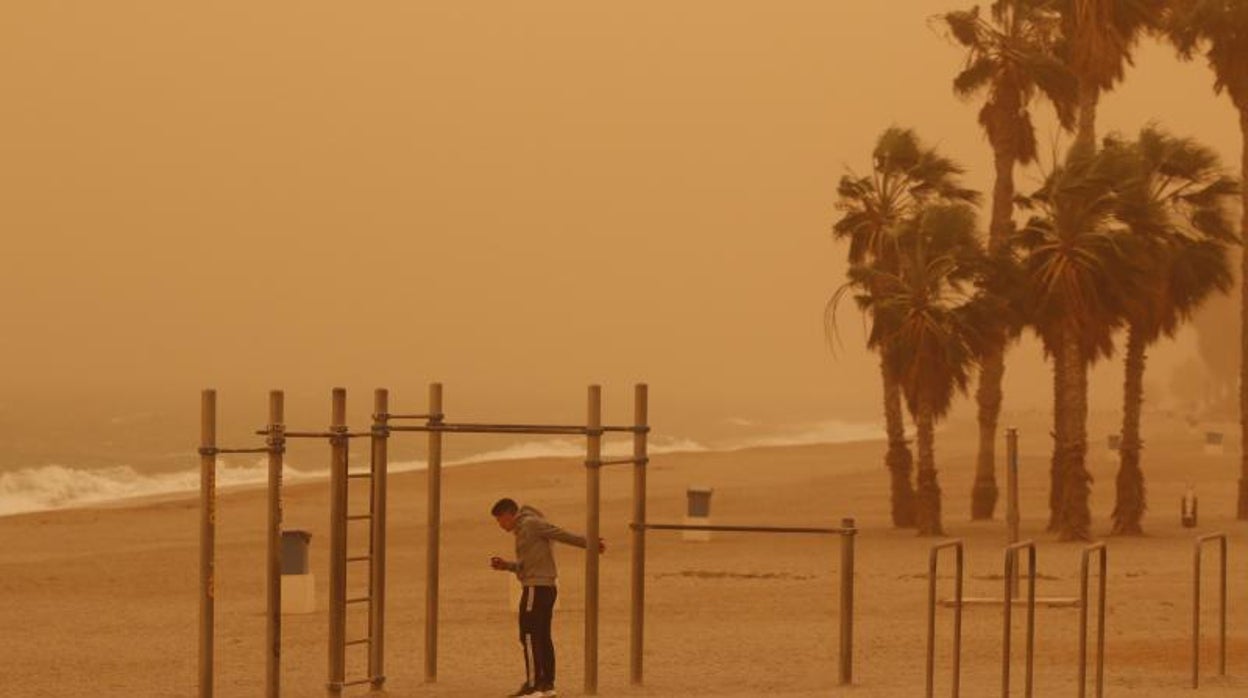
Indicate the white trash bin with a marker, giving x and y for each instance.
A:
(697, 513)
(298, 582)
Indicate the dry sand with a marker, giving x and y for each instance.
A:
(102, 602)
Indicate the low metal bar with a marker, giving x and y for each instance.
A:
(359, 599)
(933, 559)
(1011, 563)
(359, 517)
(383, 416)
(337, 686)
(1100, 551)
(361, 641)
(741, 529)
(639, 429)
(488, 430)
(1222, 539)
(320, 434)
(623, 461)
(359, 558)
(243, 450)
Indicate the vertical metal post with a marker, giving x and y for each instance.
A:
(637, 599)
(933, 559)
(433, 533)
(207, 535)
(593, 460)
(1012, 515)
(273, 579)
(846, 660)
(338, 544)
(379, 464)
(1100, 550)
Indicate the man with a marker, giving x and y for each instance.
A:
(535, 567)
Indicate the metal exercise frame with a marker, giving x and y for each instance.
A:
(933, 559)
(338, 436)
(1101, 553)
(847, 531)
(1221, 538)
(1011, 565)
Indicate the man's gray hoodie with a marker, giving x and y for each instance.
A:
(535, 562)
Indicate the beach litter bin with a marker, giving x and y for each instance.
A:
(697, 513)
(1187, 511)
(1213, 443)
(298, 582)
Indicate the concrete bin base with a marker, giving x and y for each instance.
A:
(298, 593)
(696, 536)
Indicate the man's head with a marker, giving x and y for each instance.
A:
(505, 511)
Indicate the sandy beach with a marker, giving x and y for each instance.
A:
(102, 601)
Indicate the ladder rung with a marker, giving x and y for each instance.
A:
(357, 682)
(362, 641)
(359, 517)
(360, 599)
(359, 474)
(359, 558)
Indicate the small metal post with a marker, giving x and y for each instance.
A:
(207, 535)
(933, 559)
(273, 639)
(593, 457)
(1222, 546)
(638, 599)
(846, 660)
(1012, 515)
(377, 541)
(1100, 550)
(338, 544)
(433, 532)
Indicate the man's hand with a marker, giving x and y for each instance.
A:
(499, 564)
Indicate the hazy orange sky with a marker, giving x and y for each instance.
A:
(516, 199)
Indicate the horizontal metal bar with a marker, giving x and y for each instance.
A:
(359, 558)
(634, 430)
(740, 529)
(362, 641)
(624, 461)
(242, 450)
(339, 685)
(461, 429)
(403, 416)
(359, 517)
(321, 434)
(359, 474)
(360, 599)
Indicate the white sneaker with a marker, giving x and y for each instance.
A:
(547, 693)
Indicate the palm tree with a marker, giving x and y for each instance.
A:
(1010, 56)
(1099, 37)
(1176, 205)
(1219, 29)
(929, 328)
(1076, 266)
(905, 176)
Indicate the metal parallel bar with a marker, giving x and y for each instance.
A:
(379, 467)
(359, 558)
(207, 536)
(848, 532)
(635, 429)
(359, 599)
(273, 577)
(335, 687)
(433, 530)
(1011, 563)
(637, 600)
(623, 461)
(358, 475)
(933, 559)
(360, 517)
(320, 434)
(242, 450)
(1101, 552)
(338, 545)
(1222, 539)
(741, 529)
(593, 454)
(487, 430)
(361, 641)
(381, 417)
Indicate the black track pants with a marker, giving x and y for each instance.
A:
(537, 605)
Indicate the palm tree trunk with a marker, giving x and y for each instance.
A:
(1058, 436)
(1085, 133)
(992, 372)
(898, 459)
(1072, 444)
(1243, 341)
(928, 495)
(1130, 505)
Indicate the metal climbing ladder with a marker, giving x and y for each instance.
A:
(344, 522)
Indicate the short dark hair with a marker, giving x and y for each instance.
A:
(506, 505)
